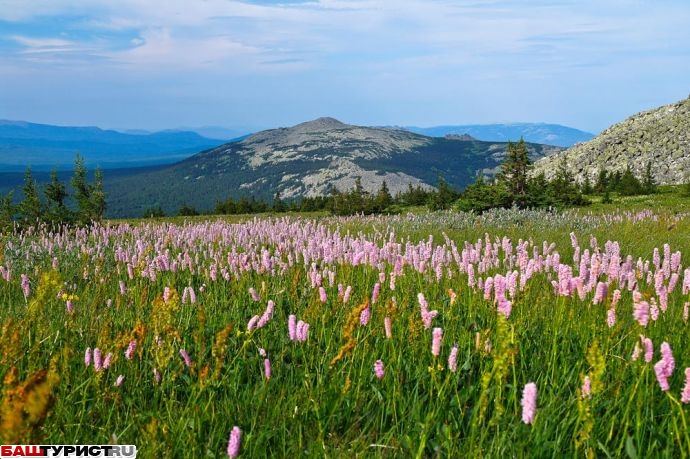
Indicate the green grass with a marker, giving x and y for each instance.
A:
(313, 406)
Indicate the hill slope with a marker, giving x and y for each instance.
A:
(550, 134)
(660, 136)
(44, 146)
(306, 160)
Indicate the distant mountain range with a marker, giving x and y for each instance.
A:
(549, 134)
(307, 160)
(660, 136)
(44, 146)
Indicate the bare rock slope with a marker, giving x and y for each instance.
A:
(660, 136)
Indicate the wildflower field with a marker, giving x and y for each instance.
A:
(511, 334)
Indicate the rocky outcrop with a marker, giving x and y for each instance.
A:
(660, 136)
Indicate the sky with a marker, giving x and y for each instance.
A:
(160, 64)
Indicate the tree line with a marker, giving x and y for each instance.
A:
(53, 204)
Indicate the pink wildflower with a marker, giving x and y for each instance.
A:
(659, 370)
(87, 357)
(453, 359)
(364, 316)
(234, 442)
(529, 403)
(641, 313)
(322, 294)
(387, 327)
(255, 296)
(437, 336)
(107, 361)
(97, 360)
(346, 295)
(129, 353)
(119, 380)
(379, 371)
(611, 317)
(292, 327)
(375, 293)
(648, 349)
(69, 306)
(267, 368)
(25, 286)
(685, 395)
(251, 325)
(187, 359)
(587, 388)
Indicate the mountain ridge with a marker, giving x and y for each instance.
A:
(310, 159)
(45, 146)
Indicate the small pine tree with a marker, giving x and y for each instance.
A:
(383, 198)
(629, 185)
(648, 182)
(278, 203)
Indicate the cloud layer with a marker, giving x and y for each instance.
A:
(165, 63)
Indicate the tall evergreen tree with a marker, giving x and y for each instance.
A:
(383, 198)
(98, 204)
(7, 211)
(56, 193)
(82, 191)
(30, 207)
(648, 182)
(514, 170)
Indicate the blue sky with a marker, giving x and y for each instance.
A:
(156, 64)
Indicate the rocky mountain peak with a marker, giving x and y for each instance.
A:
(321, 124)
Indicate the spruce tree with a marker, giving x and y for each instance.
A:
(514, 170)
(98, 204)
(82, 191)
(30, 207)
(7, 211)
(383, 198)
(56, 193)
(648, 182)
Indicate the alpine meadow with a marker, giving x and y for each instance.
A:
(345, 229)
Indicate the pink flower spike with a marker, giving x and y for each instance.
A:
(529, 403)
(659, 370)
(648, 349)
(322, 294)
(97, 360)
(187, 359)
(108, 359)
(292, 327)
(120, 379)
(87, 357)
(364, 316)
(685, 395)
(453, 359)
(267, 368)
(437, 336)
(387, 327)
(234, 442)
(379, 371)
(587, 388)
(129, 353)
